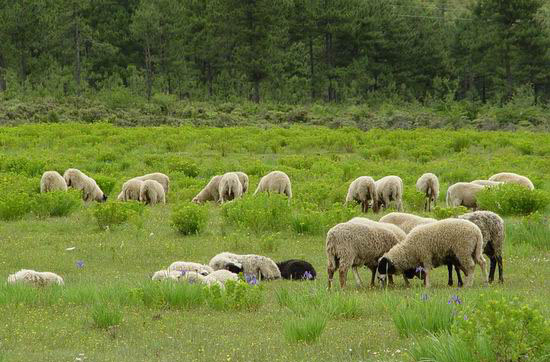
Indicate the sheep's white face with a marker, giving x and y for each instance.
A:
(11, 279)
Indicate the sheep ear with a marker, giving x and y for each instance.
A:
(234, 268)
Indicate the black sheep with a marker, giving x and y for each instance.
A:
(295, 269)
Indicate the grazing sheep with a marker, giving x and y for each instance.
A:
(399, 234)
(80, 181)
(514, 178)
(404, 221)
(463, 194)
(230, 187)
(363, 190)
(276, 181)
(260, 266)
(354, 244)
(243, 178)
(35, 278)
(130, 190)
(492, 229)
(190, 266)
(455, 241)
(486, 183)
(210, 192)
(390, 188)
(295, 269)
(428, 184)
(151, 192)
(158, 177)
(52, 181)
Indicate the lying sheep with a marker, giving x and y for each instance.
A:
(363, 190)
(514, 178)
(260, 266)
(78, 180)
(399, 234)
(35, 278)
(404, 221)
(276, 181)
(130, 190)
(158, 177)
(455, 241)
(243, 178)
(190, 266)
(463, 194)
(166, 274)
(230, 187)
(390, 188)
(210, 192)
(221, 276)
(354, 244)
(151, 192)
(486, 183)
(295, 269)
(52, 181)
(428, 184)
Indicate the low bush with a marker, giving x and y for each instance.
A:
(448, 212)
(56, 203)
(512, 199)
(14, 206)
(112, 213)
(105, 183)
(189, 218)
(239, 295)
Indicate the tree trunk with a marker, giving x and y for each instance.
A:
(209, 79)
(508, 69)
(149, 71)
(2, 79)
(77, 51)
(328, 60)
(256, 91)
(311, 69)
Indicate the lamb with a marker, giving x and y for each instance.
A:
(463, 194)
(428, 184)
(221, 276)
(492, 229)
(52, 181)
(243, 178)
(190, 266)
(455, 241)
(390, 188)
(230, 187)
(130, 190)
(158, 177)
(35, 278)
(404, 221)
(295, 269)
(165, 274)
(514, 178)
(354, 244)
(260, 266)
(151, 192)
(486, 183)
(363, 190)
(80, 181)
(399, 234)
(275, 181)
(210, 192)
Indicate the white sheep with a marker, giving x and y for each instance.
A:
(166, 274)
(275, 181)
(221, 276)
(514, 178)
(158, 177)
(80, 181)
(130, 190)
(363, 190)
(151, 192)
(431, 245)
(210, 192)
(390, 188)
(404, 221)
(243, 178)
(354, 244)
(52, 181)
(190, 266)
(463, 194)
(428, 184)
(35, 278)
(399, 234)
(260, 266)
(486, 183)
(230, 187)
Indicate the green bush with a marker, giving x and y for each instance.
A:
(56, 203)
(22, 166)
(512, 199)
(239, 295)
(188, 168)
(14, 206)
(308, 329)
(113, 213)
(448, 212)
(105, 316)
(189, 218)
(106, 184)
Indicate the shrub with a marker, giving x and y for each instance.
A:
(306, 222)
(56, 203)
(105, 316)
(106, 184)
(189, 218)
(414, 199)
(460, 143)
(111, 214)
(14, 206)
(307, 329)
(22, 166)
(512, 199)
(188, 168)
(240, 295)
(448, 212)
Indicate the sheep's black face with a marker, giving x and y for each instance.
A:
(385, 266)
(411, 273)
(233, 268)
(104, 198)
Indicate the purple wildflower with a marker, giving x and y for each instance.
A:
(455, 299)
(182, 272)
(419, 269)
(80, 264)
(424, 297)
(251, 279)
(307, 275)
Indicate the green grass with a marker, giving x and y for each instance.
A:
(308, 329)
(163, 321)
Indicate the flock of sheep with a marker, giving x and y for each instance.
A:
(399, 243)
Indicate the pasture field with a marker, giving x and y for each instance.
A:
(109, 310)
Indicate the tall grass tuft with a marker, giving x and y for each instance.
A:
(308, 329)
(534, 231)
(105, 316)
(331, 305)
(423, 315)
(441, 348)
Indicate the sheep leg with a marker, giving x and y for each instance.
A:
(343, 273)
(458, 277)
(390, 278)
(373, 272)
(426, 278)
(492, 267)
(500, 277)
(330, 272)
(426, 204)
(355, 271)
(407, 284)
(450, 269)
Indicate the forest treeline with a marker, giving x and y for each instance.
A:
(288, 51)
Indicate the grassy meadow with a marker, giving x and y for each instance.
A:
(109, 310)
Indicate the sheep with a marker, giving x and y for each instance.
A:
(230, 187)
(166, 274)
(390, 188)
(514, 178)
(260, 266)
(275, 181)
(158, 177)
(80, 181)
(210, 192)
(399, 234)
(363, 190)
(354, 244)
(295, 269)
(52, 181)
(243, 178)
(428, 246)
(492, 229)
(190, 266)
(35, 278)
(463, 193)
(428, 184)
(130, 190)
(151, 192)
(404, 221)
(486, 183)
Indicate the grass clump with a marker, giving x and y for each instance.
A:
(239, 295)
(189, 218)
(307, 329)
(441, 213)
(105, 316)
(533, 230)
(14, 206)
(56, 203)
(331, 305)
